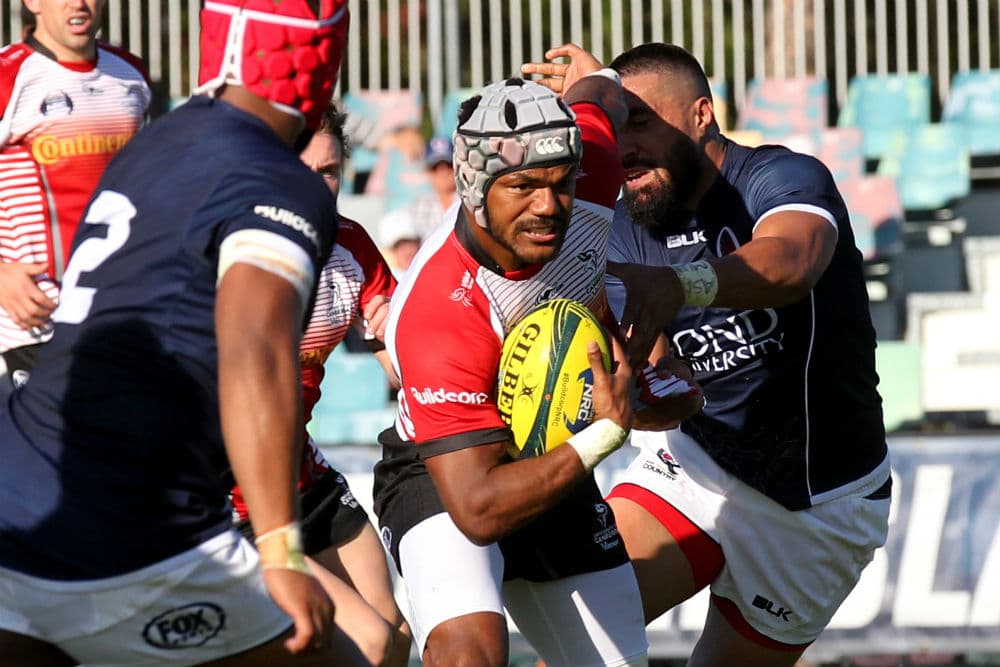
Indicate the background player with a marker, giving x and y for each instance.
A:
(353, 288)
(472, 531)
(67, 104)
(176, 347)
(777, 494)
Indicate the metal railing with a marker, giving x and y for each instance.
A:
(433, 46)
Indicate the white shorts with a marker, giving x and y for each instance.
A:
(580, 621)
(786, 572)
(201, 605)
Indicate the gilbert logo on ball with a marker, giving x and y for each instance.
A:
(545, 390)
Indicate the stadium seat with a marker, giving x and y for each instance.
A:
(371, 114)
(750, 138)
(448, 120)
(355, 404)
(900, 379)
(974, 103)
(720, 102)
(882, 104)
(781, 107)
(842, 150)
(876, 214)
(930, 163)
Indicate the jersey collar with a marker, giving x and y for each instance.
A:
(40, 48)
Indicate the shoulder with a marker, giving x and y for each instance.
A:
(772, 162)
(129, 58)
(12, 58)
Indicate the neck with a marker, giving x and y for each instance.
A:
(285, 125)
(41, 42)
(711, 165)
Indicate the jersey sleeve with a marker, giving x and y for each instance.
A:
(378, 276)
(601, 174)
(447, 355)
(794, 182)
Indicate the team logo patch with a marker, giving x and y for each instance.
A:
(386, 538)
(58, 102)
(607, 532)
(185, 627)
(20, 377)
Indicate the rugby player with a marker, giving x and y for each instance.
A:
(67, 103)
(776, 494)
(472, 531)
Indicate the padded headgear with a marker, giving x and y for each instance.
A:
(282, 50)
(511, 125)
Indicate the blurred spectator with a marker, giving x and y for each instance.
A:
(429, 208)
(399, 239)
(399, 173)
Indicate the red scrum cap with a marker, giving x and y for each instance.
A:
(286, 51)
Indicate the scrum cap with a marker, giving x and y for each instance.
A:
(511, 125)
(285, 51)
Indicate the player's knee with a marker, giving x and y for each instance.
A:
(469, 652)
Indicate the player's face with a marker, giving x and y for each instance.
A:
(323, 155)
(529, 213)
(661, 159)
(67, 27)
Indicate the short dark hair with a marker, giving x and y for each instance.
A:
(666, 59)
(332, 123)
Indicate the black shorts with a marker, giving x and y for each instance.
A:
(330, 515)
(577, 536)
(19, 361)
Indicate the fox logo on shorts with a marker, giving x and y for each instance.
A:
(185, 627)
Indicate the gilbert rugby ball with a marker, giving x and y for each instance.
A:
(545, 382)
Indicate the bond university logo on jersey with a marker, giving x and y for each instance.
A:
(736, 341)
(185, 627)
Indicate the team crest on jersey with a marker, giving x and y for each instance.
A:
(338, 312)
(56, 103)
(726, 243)
(463, 293)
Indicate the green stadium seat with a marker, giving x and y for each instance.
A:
(355, 404)
(930, 163)
(899, 371)
(882, 104)
(974, 103)
(781, 107)
(448, 121)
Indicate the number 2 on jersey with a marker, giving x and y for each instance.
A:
(109, 208)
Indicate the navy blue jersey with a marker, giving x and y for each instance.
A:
(112, 453)
(792, 407)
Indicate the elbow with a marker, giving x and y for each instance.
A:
(477, 523)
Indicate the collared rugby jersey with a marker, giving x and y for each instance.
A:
(60, 124)
(792, 407)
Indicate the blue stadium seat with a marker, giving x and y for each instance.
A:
(930, 163)
(974, 103)
(448, 121)
(355, 404)
(882, 104)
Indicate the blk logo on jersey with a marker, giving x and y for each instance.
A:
(185, 627)
(772, 608)
(697, 237)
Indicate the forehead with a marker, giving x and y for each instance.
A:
(541, 175)
(662, 93)
(322, 147)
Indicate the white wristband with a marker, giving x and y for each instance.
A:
(596, 441)
(699, 282)
(608, 73)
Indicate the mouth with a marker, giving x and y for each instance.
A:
(542, 234)
(79, 24)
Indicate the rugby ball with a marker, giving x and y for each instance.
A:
(545, 381)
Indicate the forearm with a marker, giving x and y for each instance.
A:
(766, 273)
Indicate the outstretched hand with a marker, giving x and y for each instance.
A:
(560, 77)
(653, 296)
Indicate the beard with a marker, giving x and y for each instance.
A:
(662, 205)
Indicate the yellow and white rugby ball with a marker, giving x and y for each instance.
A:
(546, 384)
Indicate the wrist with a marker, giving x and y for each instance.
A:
(595, 442)
(281, 549)
(698, 281)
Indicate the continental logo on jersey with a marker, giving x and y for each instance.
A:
(289, 219)
(48, 149)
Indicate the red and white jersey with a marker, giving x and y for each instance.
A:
(450, 315)
(355, 273)
(60, 124)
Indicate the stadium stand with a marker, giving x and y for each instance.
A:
(355, 404)
(781, 107)
(974, 103)
(930, 163)
(448, 119)
(882, 104)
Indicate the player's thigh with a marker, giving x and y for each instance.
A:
(342, 652)
(585, 620)
(722, 645)
(454, 592)
(18, 650)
